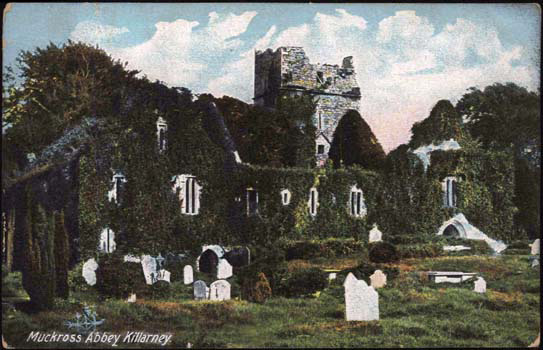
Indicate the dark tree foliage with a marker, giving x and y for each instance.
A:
(444, 123)
(284, 136)
(355, 143)
(508, 116)
(62, 255)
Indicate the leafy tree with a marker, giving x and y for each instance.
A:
(444, 123)
(355, 143)
(504, 117)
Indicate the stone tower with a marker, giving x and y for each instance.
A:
(288, 71)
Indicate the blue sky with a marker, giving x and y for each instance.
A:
(407, 56)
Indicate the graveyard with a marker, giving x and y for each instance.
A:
(413, 310)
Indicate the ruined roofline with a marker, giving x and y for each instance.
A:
(271, 51)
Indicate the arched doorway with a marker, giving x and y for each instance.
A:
(209, 261)
(451, 231)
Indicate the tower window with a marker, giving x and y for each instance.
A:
(356, 201)
(252, 202)
(188, 190)
(450, 191)
(320, 149)
(313, 201)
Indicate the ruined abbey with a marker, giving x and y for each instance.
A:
(287, 71)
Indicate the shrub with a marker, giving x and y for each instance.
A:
(302, 250)
(271, 262)
(427, 250)
(257, 290)
(116, 278)
(331, 247)
(383, 252)
(303, 282)
(76, 281)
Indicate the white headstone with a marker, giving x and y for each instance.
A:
(89, 271)
(375, 234)
(535, 247)
(131, 258)
(480, 285)
(332, 276)
(188, 276)
(378, 279)
(535, 262)
(350, 279)
(361, 301)
(163, 275)
(455, 248)
(131, 298)
(219, 290)
(224, 269)
(149, 265)
(200, 290)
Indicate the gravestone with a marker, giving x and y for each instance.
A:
(131, 258)
(378, 279)
(149, 265)
(455, 248)
(89, 271)
(224, 270)
(375, 234)
(200, 290)
(188, 276)
(535, 262)
(480, 285)
(535, 247)
(238, 257)
(163, 275)
(361, 300)
(131, 298)
(332, 276)
(219, 290)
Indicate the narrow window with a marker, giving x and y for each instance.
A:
(320, 77)
(252, 202)
(320, 149)
(357, 205)
(313, 201)
(320, 121)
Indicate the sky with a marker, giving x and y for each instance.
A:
(406, 56)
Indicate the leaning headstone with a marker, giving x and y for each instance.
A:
(188, 276)
(200, 290)
(163, 275)
(535, 247)
(349, 280)
(131, 298)
(149, 265)
(89, 271)
(375, 234)
(224, 270)
(361, 301)
(480, 285)
(219, 290)
(378, 279)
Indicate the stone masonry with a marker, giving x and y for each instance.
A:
(287, 71)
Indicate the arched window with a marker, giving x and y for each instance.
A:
(115, 194)
(357, 206)
(285, 197)
(161, 127)
(313, 202)
(188, 190)
(450, 191)
(252, 202)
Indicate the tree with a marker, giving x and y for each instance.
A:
(443, 123)
(355, 143)
(504, 117)
(62, 255)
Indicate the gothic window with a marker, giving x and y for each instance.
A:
(357, 206)
(188, 190)
(107, 241)
(252, 202)
(313, 202)
(450, 191)
(285, 197)
(115, 194)
(162, 127)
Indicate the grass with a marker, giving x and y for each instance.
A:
(413, 312)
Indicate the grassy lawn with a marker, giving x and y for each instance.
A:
(413, 312)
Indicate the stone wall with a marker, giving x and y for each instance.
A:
(288, 71)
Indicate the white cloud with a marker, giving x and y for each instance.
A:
(405, 26)
(96, 33)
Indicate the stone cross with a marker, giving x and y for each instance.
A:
(224, 269)
(188, 276)
(200, 290)
(375, 234)
(378, 279)
(480, 285)
(89, 271)
(361, 300)
(149, 265)
(219, 290)
(535, 247)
